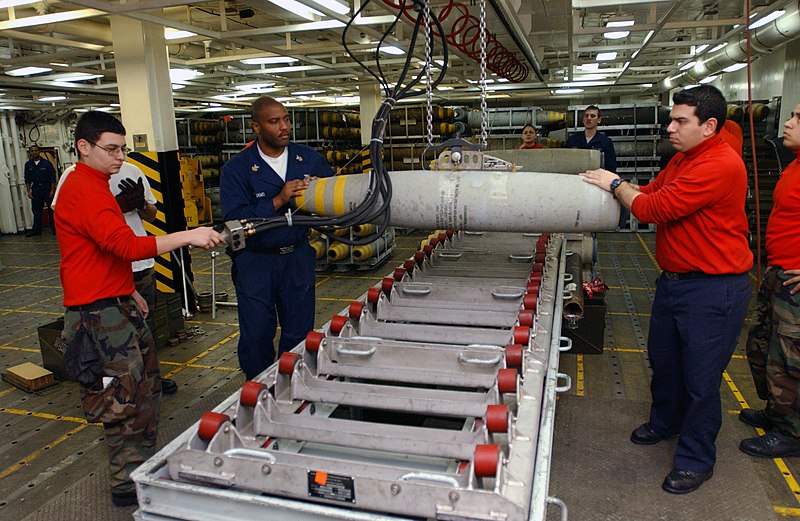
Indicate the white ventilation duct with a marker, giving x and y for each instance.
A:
(763, 40)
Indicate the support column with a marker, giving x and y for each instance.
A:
(370, 95)
(145, 97)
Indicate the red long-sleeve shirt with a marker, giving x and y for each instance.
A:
(97, 245)
(783, 237)
(698, 203)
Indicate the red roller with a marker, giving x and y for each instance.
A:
(286, 362)
(313, 340)
(373, 294)
(387, 283)
(250, 391)
(514, 355)
(507, 380)
(486, 457)
(419, 256)
(442, 237)
(522, 335)
(210, 423)
(434, 242)
(540, 255)
(409, 264)
(526, 317)
(427, 249)
(355, 309)
(399, 273)
(533, 286)
(537, 267)
(337, 324)
(497, 418)
(529, 301)
(449, 233)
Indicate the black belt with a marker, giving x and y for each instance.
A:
(283, 250)
(101, 303)
(689, 275)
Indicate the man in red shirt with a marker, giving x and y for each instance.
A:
(529, 138)
(773, 343)
(703, 293)
(105, 317)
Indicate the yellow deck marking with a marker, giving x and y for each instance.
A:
(791, 482)
(43, 415)
(24, 349)
(198, 366)
(194, 359)
(35, 454)
(786, 511)
(579, 389)
(323, 281)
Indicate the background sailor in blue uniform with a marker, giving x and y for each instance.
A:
(40, 182)
(274, 274)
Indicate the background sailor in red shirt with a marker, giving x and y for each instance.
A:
(104, 310)
(773, 343)
(701, 298)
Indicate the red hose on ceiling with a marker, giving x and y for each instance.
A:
(464, 35)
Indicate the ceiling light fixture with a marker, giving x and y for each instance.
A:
(295, 7)
(616, 35)
(334, 6)
(15, 3)
(174, 34)
(268, 60)
(178, 86)
(588, 4)
(391, 49)
(53, 98)
(58, 64)
(735, 67)
(28, 71)
(620, 23)
(606, 56)
(180, 75)
(774, 15)
(567, 91)
(589, 66)
(307, 92)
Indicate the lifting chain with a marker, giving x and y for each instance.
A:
(484, 110)
(428, 75)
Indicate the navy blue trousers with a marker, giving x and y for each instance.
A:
(39, 198)
(694, 327)
(272, 289)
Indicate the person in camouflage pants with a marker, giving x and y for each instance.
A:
(105, 317)
(126, 400)
(773, 343)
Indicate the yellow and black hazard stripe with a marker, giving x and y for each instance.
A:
(163, 173)
(366, 162)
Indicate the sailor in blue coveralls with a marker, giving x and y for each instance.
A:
(40, 182)
(274, 274)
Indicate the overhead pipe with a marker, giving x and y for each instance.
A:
(7, 170)
(763, 40)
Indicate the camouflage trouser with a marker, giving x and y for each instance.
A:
(145, 281)
(125, 400)
(773, 350)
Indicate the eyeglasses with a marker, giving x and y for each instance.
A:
(112, 150)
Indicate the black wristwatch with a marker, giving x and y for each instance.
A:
(614, 185)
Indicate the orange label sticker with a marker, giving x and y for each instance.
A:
(320, 477)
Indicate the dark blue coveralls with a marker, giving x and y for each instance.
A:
(41, 178)
(274, 274)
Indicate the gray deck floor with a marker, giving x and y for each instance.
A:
(53, 466)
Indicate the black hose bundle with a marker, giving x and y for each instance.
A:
(375, 206)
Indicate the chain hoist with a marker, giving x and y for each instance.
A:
(428, 76)
(484, 110)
